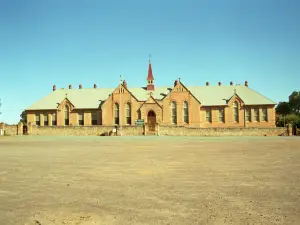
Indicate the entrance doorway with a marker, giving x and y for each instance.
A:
(151, 121)
(24, 130)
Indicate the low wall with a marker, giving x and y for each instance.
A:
(167, 130)
(190, 131)
(11, 130)
(83, 130)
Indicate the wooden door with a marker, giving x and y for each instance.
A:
(151, 121)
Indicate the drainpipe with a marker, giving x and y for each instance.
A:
(120, 106)
(244, 115)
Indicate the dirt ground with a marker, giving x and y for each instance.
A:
(149, 180)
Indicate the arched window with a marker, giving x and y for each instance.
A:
(174, 113)
(116, 112)
(236, 112)
(66, 111)
(128, 113)
(185, 112)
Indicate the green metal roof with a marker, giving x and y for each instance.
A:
(89, 98)
(218, 95)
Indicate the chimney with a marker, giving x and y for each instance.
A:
(95, 85)
(125, 84)
(80, 86)
(220, 83)
(175, 82)
(207, 83)
(54, 87)
(231, 83)
(246, 83)
(70, 86)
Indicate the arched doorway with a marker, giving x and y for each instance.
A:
(151, 118)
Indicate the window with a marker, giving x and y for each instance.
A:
(221, 115)
(66, 111)
(54, 119)
(94, 118)
(208, 115)
(139, 114)
(185, 112)
(248, 115)
(116, 112)
(37, 119)
(264, 116)
(236, 112)
(174, 113)
(46, 120)
(128, 113)
(256, 115)
(81, 118)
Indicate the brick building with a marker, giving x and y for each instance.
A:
(195, 106)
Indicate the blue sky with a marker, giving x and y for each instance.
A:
(46, 42)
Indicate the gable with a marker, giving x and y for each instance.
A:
(180, 88)
(151, 100)
(123, 90)
(65, 102)
(235, 97)
(120, 90)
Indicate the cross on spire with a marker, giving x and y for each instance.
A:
(150, 93)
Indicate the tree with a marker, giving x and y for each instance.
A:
(23, 117)
(283, 108)
(294, 101)
(293, 119)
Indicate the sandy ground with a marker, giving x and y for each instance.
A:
(149, 180)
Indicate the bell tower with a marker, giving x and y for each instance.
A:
(150, 78)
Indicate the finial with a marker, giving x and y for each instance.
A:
(66, 95)
(149, 58)
(179, 79)
(234, 91)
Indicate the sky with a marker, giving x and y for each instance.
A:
(62, 42)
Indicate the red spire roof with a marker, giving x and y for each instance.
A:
(150, 75)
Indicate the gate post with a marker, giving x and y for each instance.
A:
(157, 129)
(29, 128)
(2, 128)
(20, 128)
(145, 129)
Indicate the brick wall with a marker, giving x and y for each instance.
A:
(196, 131)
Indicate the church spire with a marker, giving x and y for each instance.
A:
(150, 78)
